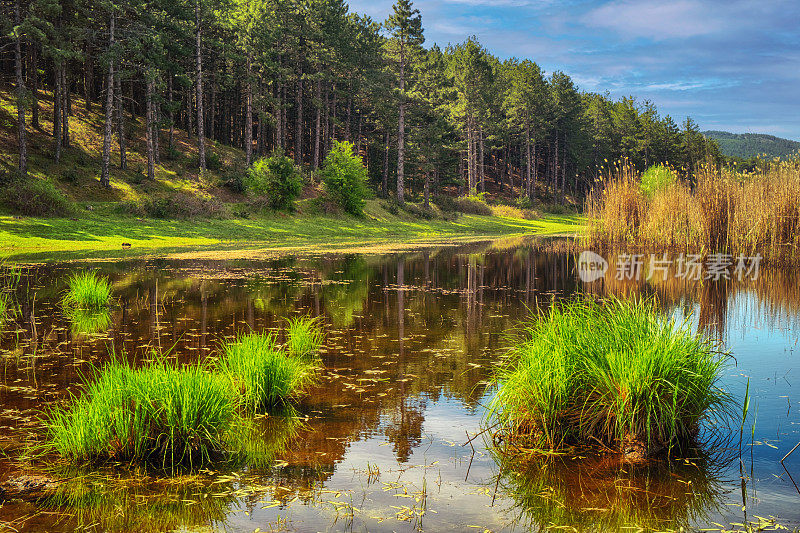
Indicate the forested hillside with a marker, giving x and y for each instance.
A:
(747, 145)
(266, 75)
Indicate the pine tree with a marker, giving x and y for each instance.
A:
(405, 28)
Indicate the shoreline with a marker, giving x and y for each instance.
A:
(101, 237)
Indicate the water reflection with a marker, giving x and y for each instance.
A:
(601, 494)
(411, 340)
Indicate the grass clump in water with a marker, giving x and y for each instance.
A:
(159, 414)
(87, 290)
(305, 337)
(615, 373)
(265, 375)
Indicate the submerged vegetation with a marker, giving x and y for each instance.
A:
(88, 291)
(168, 416)
(615, 373)
(716, 211)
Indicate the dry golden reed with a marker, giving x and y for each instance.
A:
(717, 210)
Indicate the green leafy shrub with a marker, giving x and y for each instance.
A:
(70, 176)
(345, 178)
(447, 204)
(473, 205)
(277, 178)
(656, 178)
(234, 180)
(175, 206)
(213, 160)
(615, 372)
(524, 202)
(35, 197)
(173, 154)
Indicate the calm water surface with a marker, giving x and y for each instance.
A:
(411, 340)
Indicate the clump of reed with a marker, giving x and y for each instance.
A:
(615, 373)
(87, 290)
(265, 375)
(714, 210)
(159, 414)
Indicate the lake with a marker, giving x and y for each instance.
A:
(381, 444)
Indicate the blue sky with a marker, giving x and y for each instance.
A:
(732, 65)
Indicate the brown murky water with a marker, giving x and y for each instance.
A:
(411, 339)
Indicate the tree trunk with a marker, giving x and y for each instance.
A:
(401, 130)
(151, 171)
(317, 123)
(427, 190)
(278, 112)
(481, 160)
(529, 163)
(171, 140)
(385, 183)
(21, 127)
(201, 140)
(33, 81)
(156, 130)
(57, 138)
(248, 117)
(349, 113)
(105, 180)
(358, 138)
(123, 157)
(298, 126)
(88, 77)
(532, 191)
(65, 105)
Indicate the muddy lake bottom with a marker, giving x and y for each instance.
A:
(411, 341)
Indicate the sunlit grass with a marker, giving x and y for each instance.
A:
(305, 337)
(159, 414)
(265, 375)
(614, 373)
(87, 290)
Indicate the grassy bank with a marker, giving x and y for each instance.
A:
(104, 234)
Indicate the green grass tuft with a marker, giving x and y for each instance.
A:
(87, 290)
(159, 414)
(265, 375)
(614, 372)
(305, 337)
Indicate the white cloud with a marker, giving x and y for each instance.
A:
(655, 19)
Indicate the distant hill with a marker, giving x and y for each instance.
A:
(746, 145)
